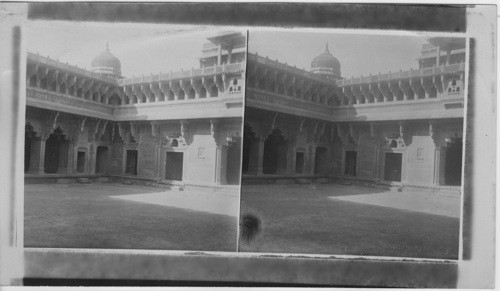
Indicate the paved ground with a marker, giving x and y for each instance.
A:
(189, 200)
(409, 201)
(351, 220)
(105, 215)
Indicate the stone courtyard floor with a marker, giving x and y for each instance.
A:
(109, 215)
(351, 220)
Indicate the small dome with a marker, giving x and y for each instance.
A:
(107, 64)
(326, 64)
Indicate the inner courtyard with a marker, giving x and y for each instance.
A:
(364, 163)
(113, 215)
(338, 219)
(113, 160)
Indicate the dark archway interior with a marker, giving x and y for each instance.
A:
(321, 161)
(274, 147)
(392, 166)
(53, 148)
(233, 161)
(174, 166)
(131, 163)
(350, 163)
(248, 140)
(101, 163)
(453, 163)
(80, 162)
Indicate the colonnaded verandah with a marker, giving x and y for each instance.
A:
(402, 129)
(181, 128)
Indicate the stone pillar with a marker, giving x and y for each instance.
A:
(91, 159)
(256, 157)
(158, 160)
(74, 157)
(311, 159)
(220, 165)
(439, 162)
(229, 53)
(37, 159)
(219, 55)
(291, 159)
(438, 55)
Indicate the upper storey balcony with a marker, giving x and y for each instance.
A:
(58, 86)
(435, 92)
(209, 92)
(280, 87)
(216, 91)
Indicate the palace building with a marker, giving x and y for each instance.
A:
(400, 129)
(177, 128)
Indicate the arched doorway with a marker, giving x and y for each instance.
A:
(321, 165)
(29, 137)
(233, 163)
(131, 162)
(101, 160)
(55, 148)
(174, 166)
(453, 163)
(274, 152)
(393, 166)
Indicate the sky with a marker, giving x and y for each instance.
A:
(141, 48)
(359, 54)
(145, 49)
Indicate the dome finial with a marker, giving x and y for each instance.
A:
(107, 46)
(326, 48)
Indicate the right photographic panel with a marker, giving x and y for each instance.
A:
(353, 143)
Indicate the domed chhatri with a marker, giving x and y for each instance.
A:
(326, 65)
(107, 64)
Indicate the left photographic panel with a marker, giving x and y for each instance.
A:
(133, 135)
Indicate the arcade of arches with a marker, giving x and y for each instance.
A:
(201, 152)
(417, 152)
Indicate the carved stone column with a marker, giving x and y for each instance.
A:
(256, 157)
(37, 158)
(311, 155)
(220, 165)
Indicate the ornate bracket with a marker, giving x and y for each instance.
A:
(113, 129)
(81, 123)
(122, 132)
(353, 132)
(155, 131)
(301, 127)
(214, 123)
(134, 131)
(53, 120)
(274, 123)
(102, 130)
(184, 128)
(341, 134)
(433, 133)
(402, 130)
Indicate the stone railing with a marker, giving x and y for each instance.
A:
(425, 72)
(188, 74)
(285, 67)
(55, 77)
(55, 64)
(195, 84)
